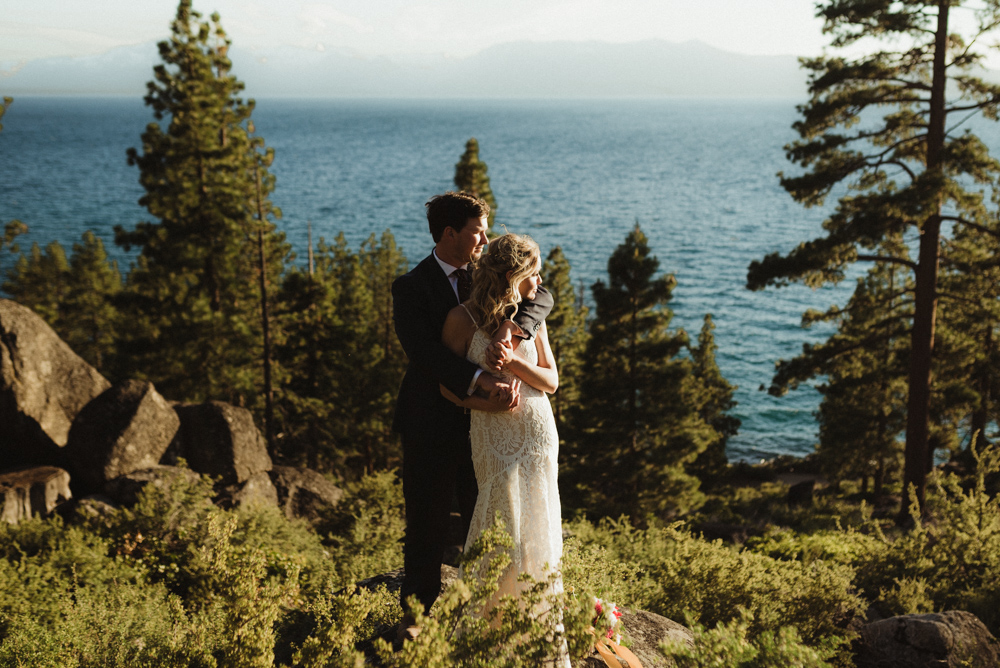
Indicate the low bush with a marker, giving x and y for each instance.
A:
(949, 562)
(730, 644)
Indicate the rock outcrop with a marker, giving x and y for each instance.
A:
(32, 491)
(302, 492)
(257, 490)
(125, 429)
(43, 386)
(940, 640)
(219, 439)
(124, 490)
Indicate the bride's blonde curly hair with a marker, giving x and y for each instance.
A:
(494, 295)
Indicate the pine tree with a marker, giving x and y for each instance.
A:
(640, 406)
(193, 299)
(381, 262)
(714, 400)
(909, 173)
(863, 410)
(90, 305)
(307, 313)
(76, 297)
(471, 177)
(969, 338)
(567, 332)
(341, 361)
(40, 281)
(14, 228)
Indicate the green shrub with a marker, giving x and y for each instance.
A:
(364, 532)
(109, 627)
(678, 574)
(951, 562)
(832, 546)
(731, 645)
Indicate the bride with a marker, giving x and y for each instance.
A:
(514, 453)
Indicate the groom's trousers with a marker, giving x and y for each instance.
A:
(436, 468)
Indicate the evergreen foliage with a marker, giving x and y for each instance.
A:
(192, 304)
(12, 229)
(341, 361)
(76, 297)
(967, 349)
(729, 644)
(863, 412)
(884, 129)
(471, 177)
(952, 563)
(567, 331)
(640, 409)
(714, 400)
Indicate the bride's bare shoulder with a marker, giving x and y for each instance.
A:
(459, 323)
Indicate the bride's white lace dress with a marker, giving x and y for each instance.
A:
(514, 454)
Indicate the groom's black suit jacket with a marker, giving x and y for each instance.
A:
(421, 300)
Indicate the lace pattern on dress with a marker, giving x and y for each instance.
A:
(515, 458)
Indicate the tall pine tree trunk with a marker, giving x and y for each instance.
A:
(265, 320)
(925, 308)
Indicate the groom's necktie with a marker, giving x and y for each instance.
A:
(464, 277)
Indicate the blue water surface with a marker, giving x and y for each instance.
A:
(697, 175)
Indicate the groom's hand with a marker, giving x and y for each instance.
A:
(505, 395)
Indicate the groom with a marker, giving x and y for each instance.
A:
(437, 456)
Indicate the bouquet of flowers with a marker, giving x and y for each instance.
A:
(608, 616)
(608, 637)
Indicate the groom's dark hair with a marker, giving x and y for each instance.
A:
(453, 210)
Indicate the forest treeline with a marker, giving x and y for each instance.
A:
(216, 306)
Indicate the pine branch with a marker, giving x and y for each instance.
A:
(888, 258)
(902, 165)
(975, 226)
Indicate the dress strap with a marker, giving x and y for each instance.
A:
(469, 313)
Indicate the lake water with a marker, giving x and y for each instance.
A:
(697, 175)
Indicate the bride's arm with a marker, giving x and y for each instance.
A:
(457, 335)
(542, 376)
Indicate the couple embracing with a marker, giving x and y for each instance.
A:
(472, 409)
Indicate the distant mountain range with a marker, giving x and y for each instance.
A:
(651, 68)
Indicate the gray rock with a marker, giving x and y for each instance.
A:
(219, 439)
(393, 580)
(257, 490)
(302, 492)
(125, 429)
(124, 490)
(96, 506)
(940, 640)
(43, 385)
(648, 631)
(32, 491)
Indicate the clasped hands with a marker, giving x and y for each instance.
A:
(505, 394)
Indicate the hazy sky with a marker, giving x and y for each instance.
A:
(31, 29)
